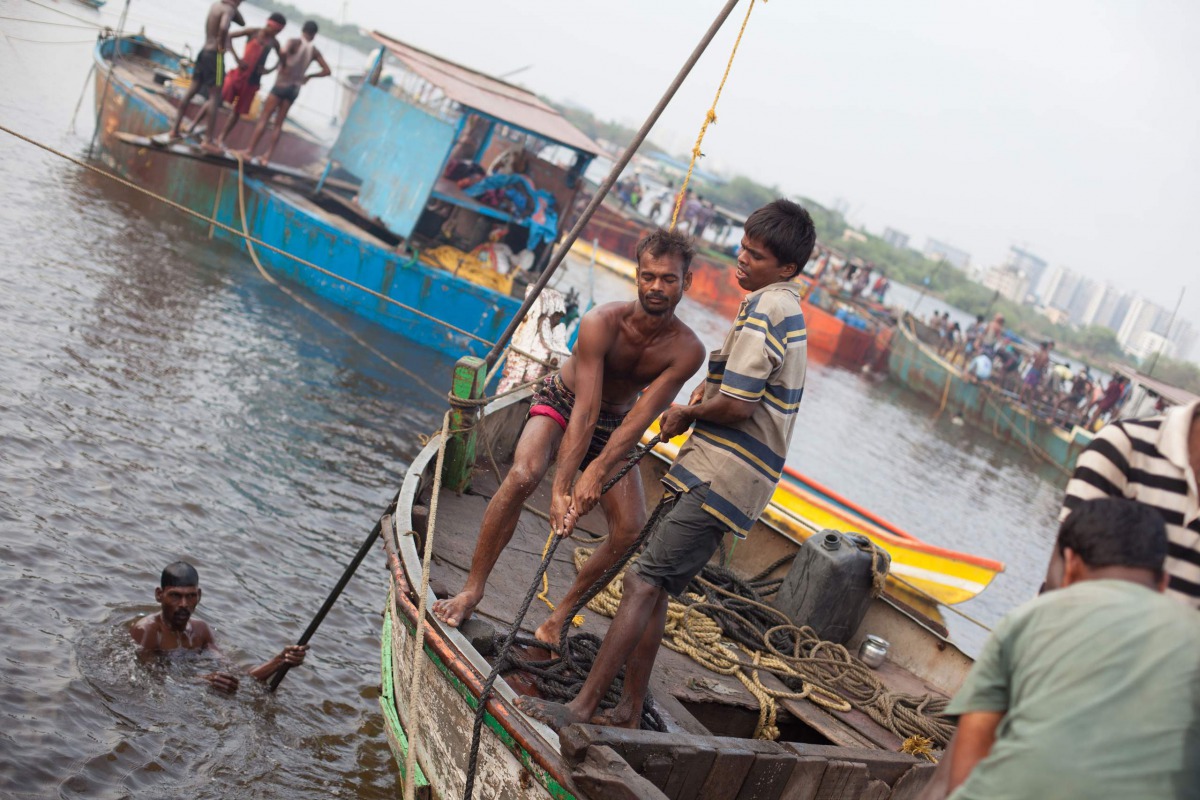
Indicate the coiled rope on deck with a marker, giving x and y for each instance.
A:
(723, 624)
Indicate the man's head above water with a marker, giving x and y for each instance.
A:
(178, 594)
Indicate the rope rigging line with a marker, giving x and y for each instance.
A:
(710, 117)
(236, 233)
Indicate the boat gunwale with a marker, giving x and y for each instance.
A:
(442, 642)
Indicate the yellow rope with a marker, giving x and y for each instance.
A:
(709, 118)
(544, 595)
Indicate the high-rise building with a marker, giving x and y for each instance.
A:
(1058, 288)
(1142, 317)
(1024, 261)
(1101, 307)
(1009, 282)
(939, 251)
(895, 238)
(1085, 294)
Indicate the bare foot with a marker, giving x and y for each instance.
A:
(556, 715)
(458, 609)
(212, 148)
(618, 717)
(548, 631)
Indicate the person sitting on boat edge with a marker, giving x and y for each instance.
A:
(630, 361)
(744, 414)
(241, 85)
(1092, 689)
(175, 628)
(298, 54)
(209, 72)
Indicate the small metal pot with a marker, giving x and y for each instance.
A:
(873, 651)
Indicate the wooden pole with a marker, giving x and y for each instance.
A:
(470, 378)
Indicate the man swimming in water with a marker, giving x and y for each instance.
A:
(630, 361)
(175, 628)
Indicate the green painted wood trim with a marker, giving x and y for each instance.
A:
(548, 781)
(470, 376)
(387, 700)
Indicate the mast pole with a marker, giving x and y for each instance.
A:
(608, 182)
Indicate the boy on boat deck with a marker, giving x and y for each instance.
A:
(743, 414)
(629, 363)
(241, 85)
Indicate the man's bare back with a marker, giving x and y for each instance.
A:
(216, 26)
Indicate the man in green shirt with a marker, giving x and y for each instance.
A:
(1092, 690)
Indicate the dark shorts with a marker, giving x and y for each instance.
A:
(684, 541)
(288, 93)
(554, 400)
(210, 69)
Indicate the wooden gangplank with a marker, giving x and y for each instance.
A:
(182, 148)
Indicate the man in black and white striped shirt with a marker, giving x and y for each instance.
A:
(1154, 461)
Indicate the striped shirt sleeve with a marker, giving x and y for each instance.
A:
(756, 353)
(1102, 470)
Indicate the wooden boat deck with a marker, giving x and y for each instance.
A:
(692, 699)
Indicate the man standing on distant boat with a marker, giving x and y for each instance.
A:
(175, 628)
(743, 414)
(629, 363)
(241, 85)
(209, 71)
(297, 54)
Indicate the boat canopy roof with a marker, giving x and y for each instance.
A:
(1172, 394)
(490, 96)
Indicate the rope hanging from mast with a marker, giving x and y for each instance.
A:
(710, 117)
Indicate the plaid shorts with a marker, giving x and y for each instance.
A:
(553, 399)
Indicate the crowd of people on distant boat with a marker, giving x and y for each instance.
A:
(239, 87)
(986, 352)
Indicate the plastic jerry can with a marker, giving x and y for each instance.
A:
(832, 582)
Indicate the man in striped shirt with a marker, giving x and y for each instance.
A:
(743, 416)
(1154, 461)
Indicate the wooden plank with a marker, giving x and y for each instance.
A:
(817, 718)
(876, 790)
(604, 775)
(727, 775)
(656, 768)
(768, 776)
(912, 784)
(805, 779)
(881, 765)
(688, 772)
(843, 780)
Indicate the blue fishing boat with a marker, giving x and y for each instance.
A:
(439, 201)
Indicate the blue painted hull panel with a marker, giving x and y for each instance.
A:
(286, 221)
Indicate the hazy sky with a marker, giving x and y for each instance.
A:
(1070, 127)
